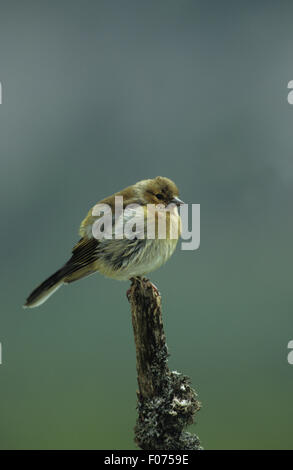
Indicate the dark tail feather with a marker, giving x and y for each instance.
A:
(44, 290)
(80, 265)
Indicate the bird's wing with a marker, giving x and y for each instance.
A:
(84, 254)
(131, 223)
(115, 247)
(126, 196)
(107, 225)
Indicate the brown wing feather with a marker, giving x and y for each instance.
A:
(84, 255)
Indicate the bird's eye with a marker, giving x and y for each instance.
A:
(159, 196)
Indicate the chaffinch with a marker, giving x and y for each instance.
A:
(120, 254)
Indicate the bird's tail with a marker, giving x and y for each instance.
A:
(81, 264)
(46, 289)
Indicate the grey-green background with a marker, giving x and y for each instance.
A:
(96, 96)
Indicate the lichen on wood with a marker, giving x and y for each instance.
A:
(166, 401)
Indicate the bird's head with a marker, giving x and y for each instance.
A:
(160, 190)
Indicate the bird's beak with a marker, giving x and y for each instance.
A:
(176, 201)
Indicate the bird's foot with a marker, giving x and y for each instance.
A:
(155, 289)
(145, 281)
(128, 292)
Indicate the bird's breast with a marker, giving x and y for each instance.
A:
(125, 258)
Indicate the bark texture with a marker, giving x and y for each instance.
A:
(166, 401)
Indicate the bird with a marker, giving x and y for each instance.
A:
(123, 257)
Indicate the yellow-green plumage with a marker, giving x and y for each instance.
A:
(119, 259)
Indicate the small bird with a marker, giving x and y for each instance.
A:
(121, 258)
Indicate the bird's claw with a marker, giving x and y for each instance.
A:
(128, 294)
(145, 280)
(155, 289)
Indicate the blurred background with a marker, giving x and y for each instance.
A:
(96, 96)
